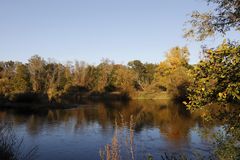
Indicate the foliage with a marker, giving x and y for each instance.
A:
(6, 76)
(37, 73)
(21, 80)
(144, 72)
(226, 16)
(139, 68)
(172, 73)
(226, 148)
(124, 78)
(217, 77)
(58, 80)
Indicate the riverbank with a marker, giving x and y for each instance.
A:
(34, 107)
(36, 101)
(152, 95)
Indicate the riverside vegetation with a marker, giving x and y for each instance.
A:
(214, 81)
(216, 78)
(52, 82)
(11, 145)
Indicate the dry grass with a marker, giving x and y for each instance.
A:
(122, 142)
(10, 145)
(123, 146)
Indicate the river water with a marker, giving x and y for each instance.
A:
(79, 133)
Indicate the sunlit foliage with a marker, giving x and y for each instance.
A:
(223, 18)
(217, 77)
(172, 73)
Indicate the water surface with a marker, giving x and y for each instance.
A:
(79, 133)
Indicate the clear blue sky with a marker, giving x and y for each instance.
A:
(90, 30)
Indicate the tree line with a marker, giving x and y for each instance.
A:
(215, 79)
(56, 79)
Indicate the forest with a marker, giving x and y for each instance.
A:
(52, 81)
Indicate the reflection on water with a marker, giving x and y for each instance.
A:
(78, 133)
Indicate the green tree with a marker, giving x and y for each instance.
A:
(69, 75)
(104, 70)
(6, 77)
(80, 73)
(139, 68)
(223, 18)
(150, 71)
(217, 77)
(21, 81)
(172, 73)
(36, 66)
(216, 80)
(56, 80)
(91, 77)
(124, 79)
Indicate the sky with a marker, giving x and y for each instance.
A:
(90, 30)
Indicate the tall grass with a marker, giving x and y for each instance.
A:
(122, 145)
(10, 145)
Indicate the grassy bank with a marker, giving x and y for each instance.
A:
(151, 95)
(35, 102)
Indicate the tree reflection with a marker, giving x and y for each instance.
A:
(173, 121)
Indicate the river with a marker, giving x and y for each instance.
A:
(79, 133)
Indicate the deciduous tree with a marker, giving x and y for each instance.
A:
(223, 18)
